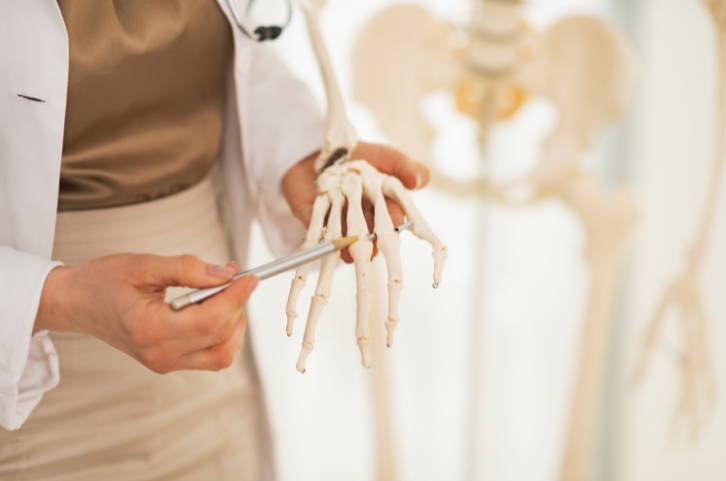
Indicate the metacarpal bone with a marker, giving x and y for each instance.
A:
(320, 209)
(335, 231)
(393, 188)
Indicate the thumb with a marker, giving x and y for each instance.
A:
(190, 271)
(234, 297)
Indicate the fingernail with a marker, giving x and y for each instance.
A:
(419, 180)
(221, 271)
(235, 266)
(253, 284)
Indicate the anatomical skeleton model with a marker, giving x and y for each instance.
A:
(698, 389)
(341, 180)
(492, 66)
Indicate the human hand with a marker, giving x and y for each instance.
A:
(119, 299)
(298, 184)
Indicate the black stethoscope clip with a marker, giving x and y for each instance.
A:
(268, 33)
(261, 33)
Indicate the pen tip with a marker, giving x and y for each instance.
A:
(345, 242)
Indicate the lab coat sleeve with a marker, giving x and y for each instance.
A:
(283, 124)
(28, 360)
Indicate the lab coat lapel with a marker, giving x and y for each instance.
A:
(240, 87)
(33, 87)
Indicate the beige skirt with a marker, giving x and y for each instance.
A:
(110, 418)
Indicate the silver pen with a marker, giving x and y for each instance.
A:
(276, 267)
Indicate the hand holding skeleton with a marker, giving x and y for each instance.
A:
(300, 190)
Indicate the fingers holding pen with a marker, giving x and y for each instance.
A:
(222, 335)
(219, 321)
(214, 358)
(209, 316)
(186, 270)
(119, 299)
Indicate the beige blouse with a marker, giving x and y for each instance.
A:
(146, 98)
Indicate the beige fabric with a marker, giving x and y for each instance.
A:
(146, 98)
(111, 418)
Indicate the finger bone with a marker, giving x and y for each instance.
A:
(316, 308)
(393, 188)
(325, 280)
(320, 209)
(361, 253)
(388, 243)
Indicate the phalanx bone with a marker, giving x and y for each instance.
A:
(341, 179)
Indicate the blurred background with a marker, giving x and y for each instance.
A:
(481, 378)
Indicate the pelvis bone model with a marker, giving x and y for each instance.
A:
(342, 180)
(492, 65)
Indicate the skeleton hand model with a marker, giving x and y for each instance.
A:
(697, 379)
(492, 66)
(352, 181)
(698, 389)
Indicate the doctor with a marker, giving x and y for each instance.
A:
(138, 141)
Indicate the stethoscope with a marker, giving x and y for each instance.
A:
(262, 32)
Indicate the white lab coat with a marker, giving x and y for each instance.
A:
(271, 123)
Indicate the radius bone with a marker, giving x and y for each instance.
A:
(340, 136)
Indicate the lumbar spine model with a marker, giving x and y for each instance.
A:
(351, 181)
